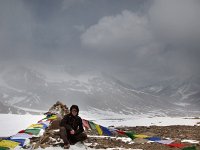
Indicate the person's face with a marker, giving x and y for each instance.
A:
(74, 112)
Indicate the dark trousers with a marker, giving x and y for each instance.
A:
(69, 138)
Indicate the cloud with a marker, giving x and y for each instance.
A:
(15, 28)
(167, 22)
(176, 21)
(33, 30)
(137, 40)
(120, 32)
(163, 40)
(67, 4)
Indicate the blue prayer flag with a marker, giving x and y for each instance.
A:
(106, 131)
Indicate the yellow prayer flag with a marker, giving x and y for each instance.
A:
(52, 117)
(36, 126)
(98, 129)
(140, 136)
(8, 143)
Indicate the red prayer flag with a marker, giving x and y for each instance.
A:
(178, 145)
(86, 124)
(22, 131)
(120, 132)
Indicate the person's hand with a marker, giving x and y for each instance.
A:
(72, 132)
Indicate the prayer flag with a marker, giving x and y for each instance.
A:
(165, 141)
(20, 141)
(86, 124)
(21, 136)
(178, 145)
(33, 131)
(130, 134)
(36, 126)
(106, 131)
(98, 129)
(154, 138)
(121, 132)
(140, 136)
(92, 125)
(189, 148)
(8, 143)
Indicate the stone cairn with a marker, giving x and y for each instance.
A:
(51, 136)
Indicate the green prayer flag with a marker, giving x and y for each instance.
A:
(189, 148)
(4, 148)
(92, 125)
(35, 131)
(130, 134)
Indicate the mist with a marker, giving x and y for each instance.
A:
(139, 42)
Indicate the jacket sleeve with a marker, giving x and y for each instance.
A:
(65, 123)
(80, 125)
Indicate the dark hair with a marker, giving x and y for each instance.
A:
(74, 107)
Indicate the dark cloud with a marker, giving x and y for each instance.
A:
(138, 41)
(176, 21)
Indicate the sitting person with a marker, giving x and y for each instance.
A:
(71, 127)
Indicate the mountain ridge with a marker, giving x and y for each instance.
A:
(30, 88)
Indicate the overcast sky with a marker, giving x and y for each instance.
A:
(138, 41)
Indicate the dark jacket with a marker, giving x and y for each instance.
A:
(71, 122)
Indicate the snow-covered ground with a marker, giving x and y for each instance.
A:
(10, 124)
(106, 119)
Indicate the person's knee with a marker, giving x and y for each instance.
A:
(84, 136)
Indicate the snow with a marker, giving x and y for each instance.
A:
(124, 139)
(32, 110)
(79, 146)
(107, 118)
(12, 123)
(190, 141)
(17, 99)
(160, 121)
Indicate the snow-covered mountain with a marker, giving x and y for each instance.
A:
(181, 92)
(8, 109)
(38, 89)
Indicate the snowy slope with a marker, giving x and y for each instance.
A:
(181, 92)
(33, 88)
(5, 108)
(38, 88)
